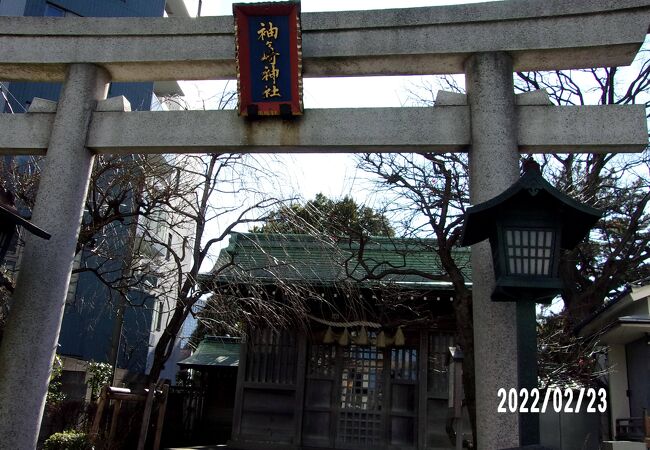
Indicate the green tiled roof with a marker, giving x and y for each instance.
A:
(217, 351)
(299, 258)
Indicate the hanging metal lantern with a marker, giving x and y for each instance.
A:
(527, 225)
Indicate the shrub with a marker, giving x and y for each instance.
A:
(100, 375)
(68, 440)
(54, 394)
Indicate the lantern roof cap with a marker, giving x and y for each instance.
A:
(576, 218)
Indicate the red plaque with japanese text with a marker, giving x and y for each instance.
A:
(269, 58)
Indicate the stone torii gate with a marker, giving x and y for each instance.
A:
(487, 42)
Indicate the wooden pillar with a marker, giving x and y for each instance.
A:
(423, 389)
(239, 391)
(300, 385)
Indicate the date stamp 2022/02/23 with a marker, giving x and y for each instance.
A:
(556, 399)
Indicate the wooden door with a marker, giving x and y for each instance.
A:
(361, 397)
(404, 396)
(359, 422)
(318, 426)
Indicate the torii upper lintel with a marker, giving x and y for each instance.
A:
(539, 35)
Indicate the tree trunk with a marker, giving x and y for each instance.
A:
(464, 329)
(165, 345)
(465, 337)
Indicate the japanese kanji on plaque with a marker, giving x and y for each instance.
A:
(269, 58)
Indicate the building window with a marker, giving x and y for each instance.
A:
(159, 317)
(53, 11)
(169, 247)
(56, 11)
(177, 181)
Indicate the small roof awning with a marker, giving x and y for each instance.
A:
(214, 351)
(624, 318)
(626, 329)
(10, 215)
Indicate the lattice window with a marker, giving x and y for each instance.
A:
(271, 357)
(360, 428)
(361, 396)
(361, 378)
(404, 364)
(529, 251)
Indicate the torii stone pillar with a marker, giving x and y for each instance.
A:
(493, 167)
(39, 299)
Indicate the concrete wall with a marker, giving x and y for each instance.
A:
(623, 445)
(638, 375)
(619, 404)
(563, 431)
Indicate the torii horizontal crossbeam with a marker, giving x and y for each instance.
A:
(436, 129)
(433, 40)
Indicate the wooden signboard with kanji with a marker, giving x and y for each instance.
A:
(269, 58)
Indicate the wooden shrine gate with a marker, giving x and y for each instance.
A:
(295, 391)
